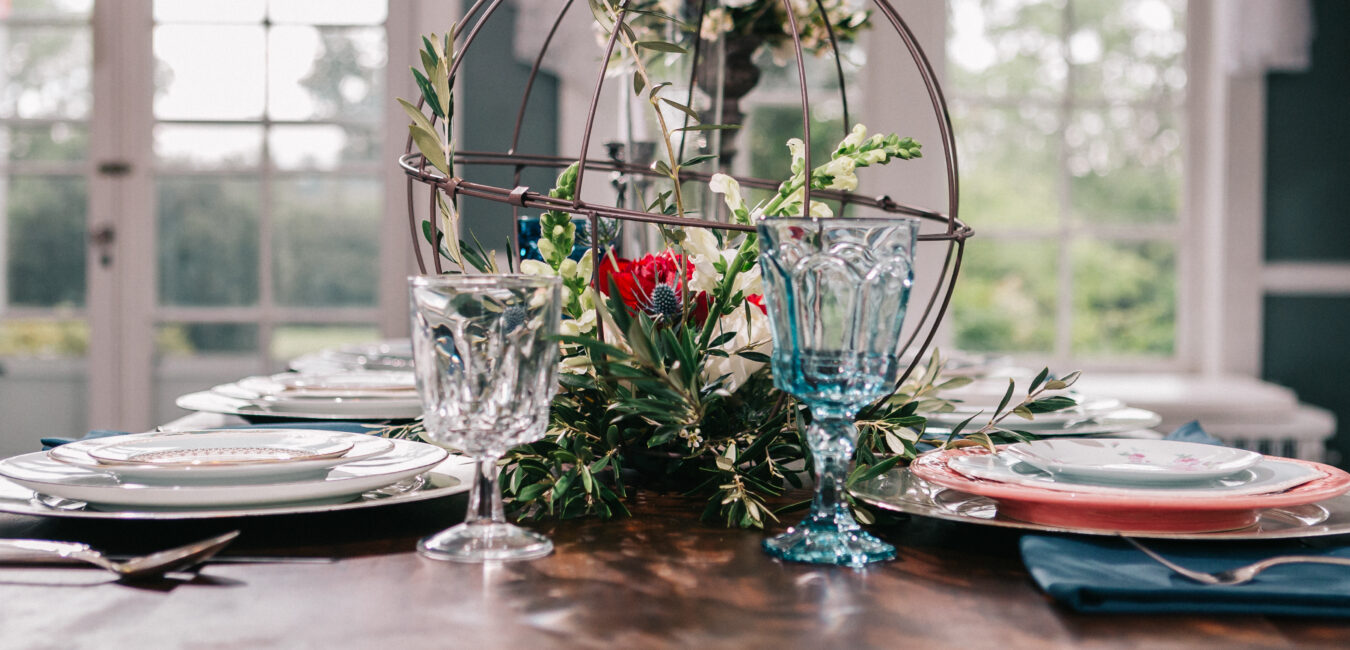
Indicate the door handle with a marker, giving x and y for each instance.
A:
(102, 237)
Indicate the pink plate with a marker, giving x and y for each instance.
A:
(1127, 513)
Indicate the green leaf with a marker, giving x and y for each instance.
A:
(722, 339)
(1051, 404)
(682, 108)
(698, 159)
(1070, 378)
(1007, 396)
(430, 147)
(754, 356)
(662, 168)
(876, 470)
(416, 115)
(1055, 384)
(709, 127)
(428, 93)
(661, 46)
(1040, 377)
(1022, 412)
(531, 492)
(428, 59)
(638, 83)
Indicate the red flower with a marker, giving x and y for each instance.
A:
(637, 281)
(758, 301)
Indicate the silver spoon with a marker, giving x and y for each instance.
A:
(36, 551)
(1242, 574)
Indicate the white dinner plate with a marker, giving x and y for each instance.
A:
(1133, 461)
(78, 453)
(384, 384)
(223, 447)
(40, 473)
(230, 400)
(1267, 476)
(453, 476)
(1118, 421)
(393, 354)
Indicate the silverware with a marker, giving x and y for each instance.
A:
(35, 551)
(1242, 574)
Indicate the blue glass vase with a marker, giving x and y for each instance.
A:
(836, 292)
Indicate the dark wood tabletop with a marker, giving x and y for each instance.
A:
(659, 579)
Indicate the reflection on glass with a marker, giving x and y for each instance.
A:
(1006, 297)
(1009, 163)
(45, 240)
(322, 73)
(326, 241)
(208, 241)
(190, 146)
(45, 339)
(329, 12)
(1125, 165)
(1124, 301)
(209, 11)
(46, 72)
(291, 341)
(189, 85)
(322, 146)
(192, 339)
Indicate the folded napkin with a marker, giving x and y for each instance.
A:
(1193, 432)
(349, 427)
(1109, 576)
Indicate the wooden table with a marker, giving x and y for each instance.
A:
(661, 578)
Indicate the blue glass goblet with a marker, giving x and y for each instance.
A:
(836, 292)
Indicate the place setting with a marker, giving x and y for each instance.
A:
(226, 473)
(345, 394)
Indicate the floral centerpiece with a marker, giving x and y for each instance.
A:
(664, 356)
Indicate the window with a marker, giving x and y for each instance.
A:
(268, 180)
(1070, 118)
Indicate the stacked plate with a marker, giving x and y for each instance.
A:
(220, 468)
(1132, 485)
(331, 395)
(1093, 416)
(393, 354)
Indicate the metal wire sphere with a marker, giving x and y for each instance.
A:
(953, 237)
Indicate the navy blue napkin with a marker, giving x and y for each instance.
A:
(350, 427)
(1110, 576)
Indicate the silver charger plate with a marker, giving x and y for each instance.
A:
(453, 476)
(899, 491)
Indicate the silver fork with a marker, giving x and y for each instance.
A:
(1240, 575)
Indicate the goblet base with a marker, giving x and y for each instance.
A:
(485, 541)
(812, 543)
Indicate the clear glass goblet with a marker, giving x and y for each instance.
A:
(836, 292)
(486, 365)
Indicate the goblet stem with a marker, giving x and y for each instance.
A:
(485, 499)
(830, 535)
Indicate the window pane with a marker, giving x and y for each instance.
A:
(1124, 301)
(1006, 48)
(190, 339)
(329, 12)
(1005, 300)
(196, 81)
(1129, 51)
(323, 146)
(209, 11)
(326, 243)
(46, 339)
(291, 341)
(1009, 164)
(208, 241)
(326, 73)
(49, 9)
(45, 72)
(63, 141)
(179, 146)
(46, 240)
(1125, 165)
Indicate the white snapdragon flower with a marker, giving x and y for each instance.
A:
(874, 156)
(701, 246)
(730, 190)
(535, 267)
(856, 137)
(841, 172)
(751, 335)
(798, 150)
